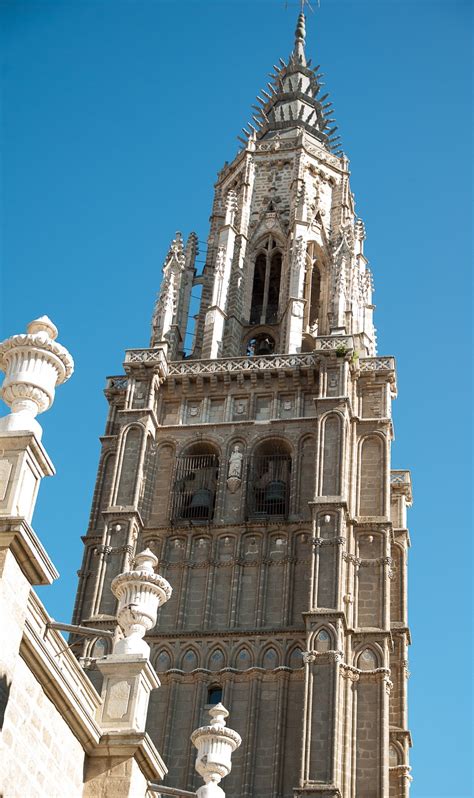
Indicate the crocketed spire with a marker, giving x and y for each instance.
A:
(293, 99)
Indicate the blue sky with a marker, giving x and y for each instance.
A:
(116, 117)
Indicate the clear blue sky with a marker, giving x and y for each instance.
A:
(116, 117)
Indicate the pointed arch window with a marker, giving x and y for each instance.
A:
(312, 294)
(266, 284)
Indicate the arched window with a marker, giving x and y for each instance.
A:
(367, 660)
(296, 659)
(393, 756)
(195, 484)
(323, 641)
(269, 483)
(262, 344)
(190, 661)
(163, 662)
(217, 660)
(243, 661)
(270, 659)
(266, 284)
(100, 648)
(312, 293)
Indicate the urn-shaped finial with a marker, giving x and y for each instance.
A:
(140, 592)
(34, 363)
(215, 744)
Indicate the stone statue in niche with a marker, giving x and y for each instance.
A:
(234, 474)
(226, 549)
(252, 548)
(201, 549)
(278, 547)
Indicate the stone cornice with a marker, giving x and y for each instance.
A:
(18, 536)
(53, 664)
(233, 562)
(273, 363)
(190, 634)
(205, 675)
(138, 745)
(240, 528)
(318, 791)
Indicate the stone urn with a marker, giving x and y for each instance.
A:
(139, 592)
(215, 744)
(34, 363)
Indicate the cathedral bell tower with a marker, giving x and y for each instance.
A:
(257, 468)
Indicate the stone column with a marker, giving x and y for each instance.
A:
(126, 758)
(215, 744)
(217, 313)
(34, 363)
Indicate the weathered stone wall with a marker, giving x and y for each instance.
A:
(41, 755)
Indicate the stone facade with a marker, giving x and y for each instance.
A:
(257, 469)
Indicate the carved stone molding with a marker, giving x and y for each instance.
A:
(322, 656)
(223, 365)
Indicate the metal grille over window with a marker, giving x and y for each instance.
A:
(269, 483)
(195, 487)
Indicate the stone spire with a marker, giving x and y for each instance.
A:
(294, 99)
(172, 305)
(300, 39)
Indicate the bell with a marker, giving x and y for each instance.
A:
(201, 504)
(275, 494)
(264, 347)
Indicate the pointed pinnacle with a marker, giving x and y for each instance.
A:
(300, 38)
(300, 32)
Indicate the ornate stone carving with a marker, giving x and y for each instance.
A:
(139, 592)
(234, 474)
(215, 744)
(34, 363)
(223, 365)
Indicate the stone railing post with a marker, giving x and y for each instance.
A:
(128, 674)
(34, 363)
(215, 744)
(126, 757)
